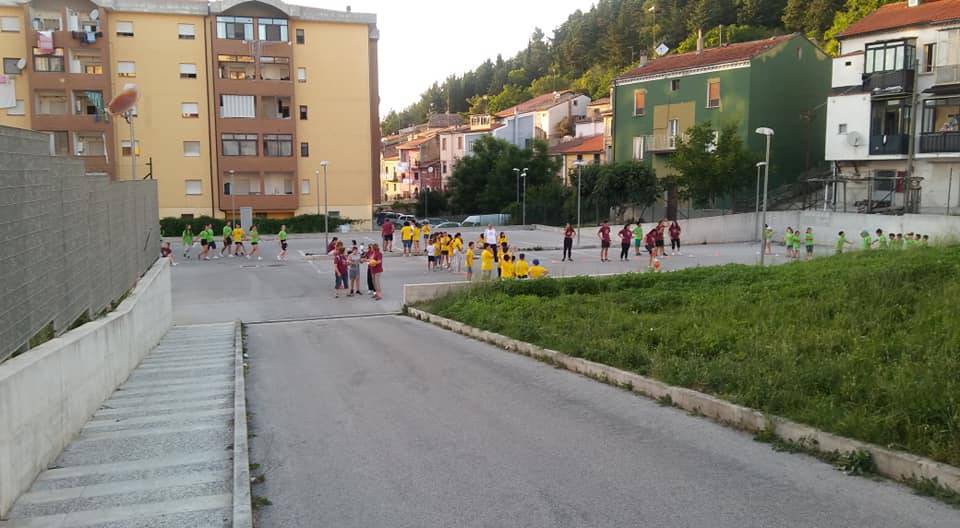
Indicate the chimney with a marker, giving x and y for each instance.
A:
(699, 41)
(913, 3)
(643, 60)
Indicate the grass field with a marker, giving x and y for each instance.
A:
(866, 345)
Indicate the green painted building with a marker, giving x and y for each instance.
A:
(781, 83)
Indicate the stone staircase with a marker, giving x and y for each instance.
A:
(158, 453)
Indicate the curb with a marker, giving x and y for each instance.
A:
(896, 465)
(242, 509)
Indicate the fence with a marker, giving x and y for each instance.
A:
(70, 244)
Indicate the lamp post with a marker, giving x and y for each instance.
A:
(326, 215)
(768, 132)
(524, 176)
(233, 201)
(756, 215)
(426, 197)
(579, 164)
(517, 172)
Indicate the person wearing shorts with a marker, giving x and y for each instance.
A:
(661, 249)
(282, 237)
(406, 236)
(638, 238)
(387, 233)
(227, 239)
(204, 247)
(340, 272)
(604, 235)
(650, 242)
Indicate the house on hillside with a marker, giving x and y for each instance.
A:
(896, 103)
(780, 82)
(573, 152)
(541, 118)
(457, 142)
(594, 121)
(419, 164)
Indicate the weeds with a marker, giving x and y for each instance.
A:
(259, 502)
(862, 345)
(932, 488)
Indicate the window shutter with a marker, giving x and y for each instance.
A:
(302, 74)
(238, 106)
(125, 28)
(10, 24)
(189, 109)
(194, 187)
(188, 69)
(126, 68)
(187, 30)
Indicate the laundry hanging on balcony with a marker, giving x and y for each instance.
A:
(45, 42)
(8, 93)
(96, 99)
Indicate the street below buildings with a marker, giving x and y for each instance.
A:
(366, 418)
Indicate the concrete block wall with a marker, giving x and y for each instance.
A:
(69, 243)
(47, 395)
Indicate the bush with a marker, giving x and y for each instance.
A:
(295, 224)
(863, 344)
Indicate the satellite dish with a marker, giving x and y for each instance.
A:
(855, 139)
(125, 100)
(95, 14)
(21, 64)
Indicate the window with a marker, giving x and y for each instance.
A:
(638, 148)
(304, 150)
(941, 115)
(273, 29)
(126, 69)
(277, 145)
(674, 85)
(188, 71)
(302, 74)
(639, 102)
(191, 149)
(303, 112)
(10, 65)
(124, 29)
(842, 128)
(929, 57)
(443, 144)
(59, 143)
(194, 187)
(50, 62)
(890, 117)
(125, 148)
(235, 28)
(239, 144)
(190, 110)
(10, 24)
(186, 31)
(713, 93)
(276, 107)
(88, 102)
(444, 167)
(18, 110)
(47, 22)
(50, 102)
(888, 56)
(799, 53)
(304, 186)
(300, 36)
(275, 68)
(238, 106)
(459, 142)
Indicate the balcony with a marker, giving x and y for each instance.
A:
(948, 74)
(893, 144)
(939, 142)
(662, 142)
(889, 82)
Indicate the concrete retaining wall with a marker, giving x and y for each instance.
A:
(48, 394)
(417, 293)
(826, 225)
(896, 465)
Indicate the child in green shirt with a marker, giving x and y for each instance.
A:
(866, 243)
(842, 241)
(808, 242)
(881, 241)
(187, 238)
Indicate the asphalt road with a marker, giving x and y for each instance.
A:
(389, 422)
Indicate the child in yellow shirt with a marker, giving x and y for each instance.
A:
(521, 267)
(537, 271)
(507, 269)
(486, 263)
(416, 239)
(469, 261)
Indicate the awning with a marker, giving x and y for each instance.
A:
(944, 89)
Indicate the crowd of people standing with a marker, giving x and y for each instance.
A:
(232, 243)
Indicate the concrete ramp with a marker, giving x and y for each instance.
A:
(159, 452)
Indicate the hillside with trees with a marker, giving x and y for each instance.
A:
(591, 48)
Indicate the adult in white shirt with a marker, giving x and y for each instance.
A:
(490, 237)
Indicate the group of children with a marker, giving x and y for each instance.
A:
(443, 250)
(233, 243)
(449, 252)
(793, 240)
(411, 234)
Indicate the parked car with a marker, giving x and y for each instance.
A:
(405, 218)
(486, 219)
(387, 216)
(434, 222)
(447, 225)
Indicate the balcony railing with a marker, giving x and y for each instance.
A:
(895, 81)
(948, 74)
(889, 145)
(936, 142)
(662, 142)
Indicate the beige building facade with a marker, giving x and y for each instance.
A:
(240, 101)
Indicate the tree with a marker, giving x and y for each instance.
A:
(852, 11)
(731, 35)
(485, 182)
(549, 83)
(511, 95)
(765, 13)
(711, 163)
(615, 186)
(390, 124)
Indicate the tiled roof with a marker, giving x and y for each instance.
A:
(601, 101)
(899, 15)
(414, 143)
(541, 102)
(580, 145)
(708, 57)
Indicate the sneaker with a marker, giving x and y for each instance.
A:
(259, 258)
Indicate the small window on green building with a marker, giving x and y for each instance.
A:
(639, 102)
(713, 93)
(674, 85)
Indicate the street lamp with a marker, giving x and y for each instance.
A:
(756, 215)
(326, 212)
(524, 176)
(517, 172)
(579, 164)
(426, 196)
(768, 132)
(233, 201)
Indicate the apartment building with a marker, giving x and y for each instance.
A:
(240, 100)
(541, 118)
(893, 119)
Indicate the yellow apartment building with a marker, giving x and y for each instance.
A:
(240, 101)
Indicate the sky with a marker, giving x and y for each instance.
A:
(423, 41)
